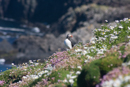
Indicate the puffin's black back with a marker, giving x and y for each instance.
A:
(72, 42)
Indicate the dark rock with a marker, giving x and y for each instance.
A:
(63, 15)
(5, 46)
(86, 15)
(36, 47)
(48, 10)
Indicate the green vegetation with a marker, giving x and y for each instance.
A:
(83, 65)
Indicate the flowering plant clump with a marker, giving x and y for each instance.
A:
(59, 59)
(2, 83)
(116, 77)
(103, 62)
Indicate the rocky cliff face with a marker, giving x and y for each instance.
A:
(79, 17)
(86, 15)
(47, 10)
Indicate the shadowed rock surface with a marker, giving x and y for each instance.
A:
(5, 46)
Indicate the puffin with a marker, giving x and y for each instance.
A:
(68, 42)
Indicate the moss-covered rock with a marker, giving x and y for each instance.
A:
(91, 73)
(109, 63)
(89, 76)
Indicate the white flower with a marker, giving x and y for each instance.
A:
(30, 61)
(128, 36)
(115, 32)
(93, 42)
(128, 63)
(127, 78)
(107, 30)
(71, 72)
(46, 61)
(85, 47)
(78, 72)
(125, 19)
(49, 67)
(48, 74)
(36, 64)
(124, 64)
(102, 33)
(107, 84)
(68, 76)
(106, 20)
(79, 67)
(120, 26)
(114, 37)
(101, 51)
(128, 28)
(89, 57)
(117, 21)
(24, 78)
(78, 50)
(35, 77)
(106, 36)
(45, 71)
(117, 83)
(86, 61)
(71, 81)
(73, 77)
(120, 77)
(111, 82)
(93, 47)
(111, 27)
(42, 72)
(20, 82)
(84, 52)
(12, 64)
(65, 81)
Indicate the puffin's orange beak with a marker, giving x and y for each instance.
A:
(71, 36)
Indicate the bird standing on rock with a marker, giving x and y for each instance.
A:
(68, 42)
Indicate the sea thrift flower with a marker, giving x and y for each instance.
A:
(45, 81)
(2, 83)
(115, 77)
(124, 56)
(57, 60)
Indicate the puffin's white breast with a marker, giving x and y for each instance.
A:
(67, 42)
